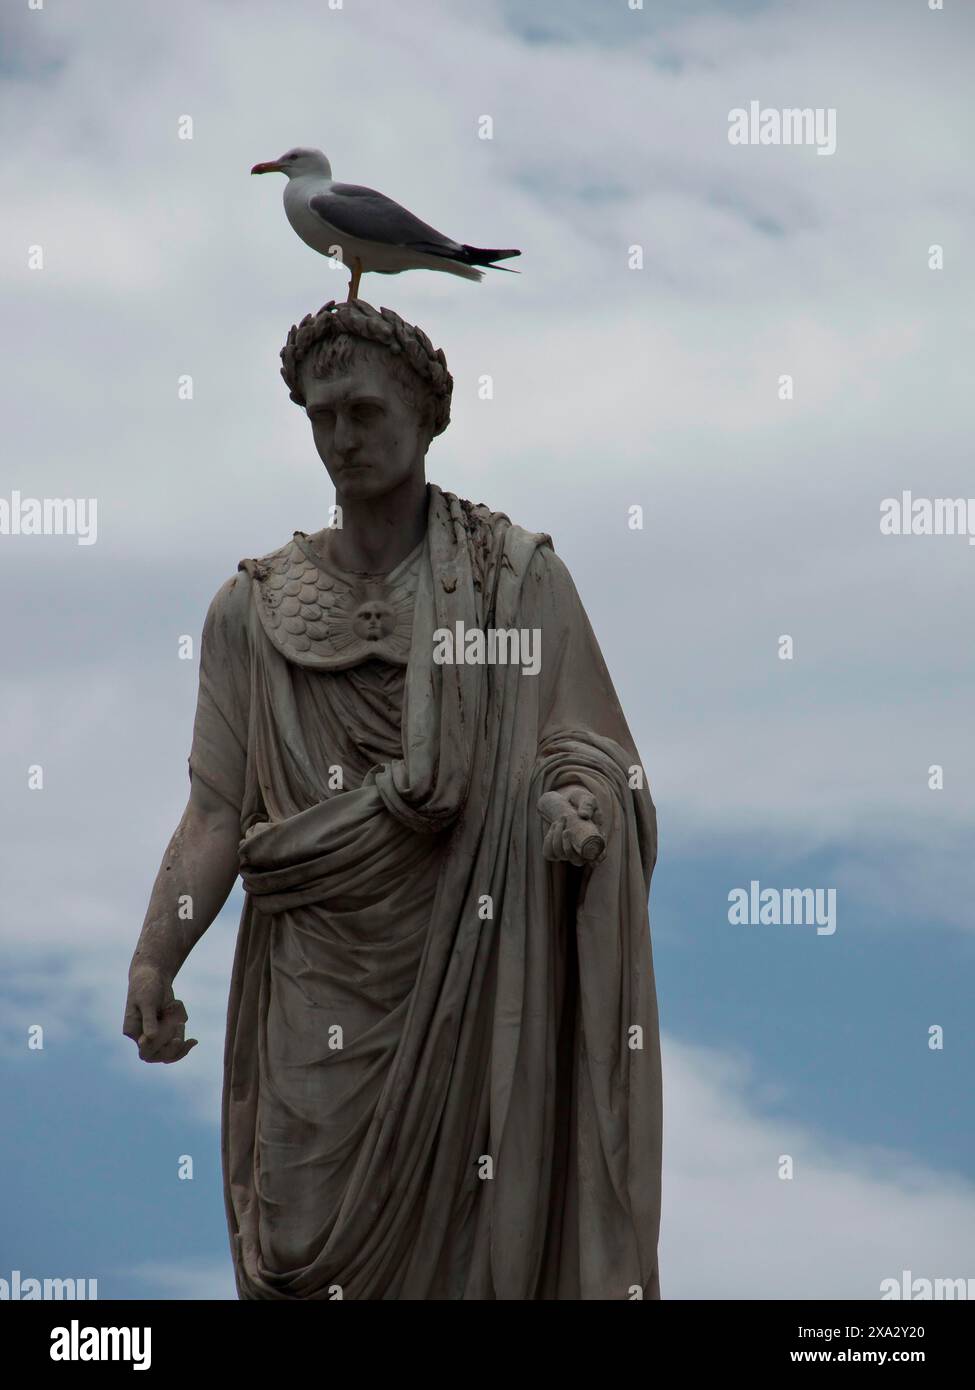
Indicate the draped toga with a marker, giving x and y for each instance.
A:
(442, 1066)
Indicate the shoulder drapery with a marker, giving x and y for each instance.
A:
(491, 1127)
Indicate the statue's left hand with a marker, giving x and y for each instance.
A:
(575, 832)
(154, 1019)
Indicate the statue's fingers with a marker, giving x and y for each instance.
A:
(585, 803)
(170, 1039)
(169, 1029)
(150, 1048)
(151, 1028)
(132, 1023)
(148, 1052)
(177, 1035)
(177, 1050)
(176, 1010)
(588, 843)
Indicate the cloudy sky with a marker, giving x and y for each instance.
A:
(614, 387)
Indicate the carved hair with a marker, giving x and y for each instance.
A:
(327, 339)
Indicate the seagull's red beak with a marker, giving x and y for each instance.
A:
(271, 167)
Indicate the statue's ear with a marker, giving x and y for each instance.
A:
(428, 421)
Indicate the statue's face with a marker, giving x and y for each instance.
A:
(368, 437)
(373, 620)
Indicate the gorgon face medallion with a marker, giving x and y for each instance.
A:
(325, 618)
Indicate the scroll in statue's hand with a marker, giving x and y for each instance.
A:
(574, 826)
(154, 1019)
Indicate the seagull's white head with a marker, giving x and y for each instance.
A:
(296, 162)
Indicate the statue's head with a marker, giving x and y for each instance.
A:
(375, 390)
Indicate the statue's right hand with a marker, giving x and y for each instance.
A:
(154, 1019)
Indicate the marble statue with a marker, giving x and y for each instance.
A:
(442, 1066)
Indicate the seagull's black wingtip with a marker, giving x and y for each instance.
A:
(478, 255)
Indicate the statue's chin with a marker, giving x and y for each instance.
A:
(360, 483)
(372, 478)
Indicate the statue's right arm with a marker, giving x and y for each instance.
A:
(194, 880)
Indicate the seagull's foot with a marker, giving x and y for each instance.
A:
(354, 282)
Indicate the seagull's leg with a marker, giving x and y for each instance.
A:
(356, 277)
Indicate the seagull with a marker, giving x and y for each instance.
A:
(364, 229)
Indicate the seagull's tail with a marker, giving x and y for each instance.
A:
(478, 255)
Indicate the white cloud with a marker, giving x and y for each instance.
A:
(849, 1218)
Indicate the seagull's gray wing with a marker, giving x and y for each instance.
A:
(371, 216)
